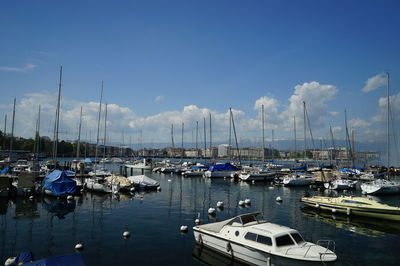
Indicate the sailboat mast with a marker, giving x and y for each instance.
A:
(38, 132)
(183, 125)
(98, 123)
(79, 136)
(5, 132)
(105, 133)
(234, 132)
(295, 137)
(263, 133)
(211, 153)
(230, 135)
(12, 131)
(205, 136)
(272, 148)
(172, 136)
(57, 119)
(197, 138)
(388, 122)
(305, 136)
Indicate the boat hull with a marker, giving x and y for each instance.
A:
(257, 177)
(351, 210)
(218, 174)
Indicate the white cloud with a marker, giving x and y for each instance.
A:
(333, 113)
(25, 68)
(375, 82)
(159, 98)
(358, 123)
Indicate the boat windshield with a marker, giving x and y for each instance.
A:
(297, 237)
(355, 202)
(249, 218)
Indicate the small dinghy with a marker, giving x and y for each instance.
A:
(143, 182)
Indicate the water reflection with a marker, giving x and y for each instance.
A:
(369, 227)
(57, 207)
(26, 209)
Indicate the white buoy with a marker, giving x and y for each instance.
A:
(82, 190)
(317, 205)
(333, 210)
(224, 177)
(220, 204)
(31, 197)
(184, 228)
(241, 203)
(247, 201)
(126, 234)
(278, 199)
(70, 197)
(169, 180)
(211, 211)
(79, 246)
(10, 261)
(271, 187)
(197, 220)
(253, 181)
(132, 189)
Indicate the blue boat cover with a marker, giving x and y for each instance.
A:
(24, 257)
(4, 171)
(65, 260)
(198, 167)
(223, 167)
(87, 160)
(59, 183)
(300, 168)
(69, 173)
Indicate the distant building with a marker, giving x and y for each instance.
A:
(224, 150)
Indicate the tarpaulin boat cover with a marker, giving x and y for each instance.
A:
(4, 171)
(87, 160)
(223, 167)
(59, 183)
(347, 171)
(66, 260)
(300, 168)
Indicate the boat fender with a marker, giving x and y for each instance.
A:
(348, 211)
(333, 210)
(200, 240)
(228, 247)
(317, 205)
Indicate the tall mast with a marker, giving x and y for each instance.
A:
(272, 148)
(182, 141)
(234, 132)
(295, 137)
(57, 119)
(205, 136)
(98, 122)
(5, 132)
(305, 137)
(12, 130)
(38, 132)
(78, 146)
(388, 113)
(197, 138)
(172, 136)
(333, 144)
(230, 135)
(263, 134)
(348, 138)
(105, 133)
(211, 153)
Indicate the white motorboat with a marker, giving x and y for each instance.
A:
(380, 187)
(372, 175)
(100, 173)
(143, 182)
(98, 184)
(257, 175)
(341, 184)
(298, 179)
(221, 170)
(145, 165)
(249, 238)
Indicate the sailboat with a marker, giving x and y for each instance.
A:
(383, 186)
(258, 173)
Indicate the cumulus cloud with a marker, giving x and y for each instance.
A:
(25, 68)
(159, 98)
(375, 82)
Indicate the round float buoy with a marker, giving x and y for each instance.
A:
(317, 205)
(247, 201)
(211, 211)
(224, 177)
(31, 197)
(126, 234)
(169, 180)
(220, 204)
(70, 197)
(82, 190)
(278, 199)
(241, 203)
(79, 246)
(10, 261)
(253, 181)
(348, 211)
(333, 210)
(197, 220)
(184, 228)
(132, 189)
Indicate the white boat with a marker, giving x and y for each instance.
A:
(372, 175)
(257, 176)
(100, 173)
(298, 179)
(249, 238)
(341, 184)
(143, 182)
(145, 165)
(380, 187)
(101, 185)
(221, 170)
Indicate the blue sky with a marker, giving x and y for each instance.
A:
(156, 57)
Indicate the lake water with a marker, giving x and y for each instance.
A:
(49, 227)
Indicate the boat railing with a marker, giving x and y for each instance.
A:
(329, 246)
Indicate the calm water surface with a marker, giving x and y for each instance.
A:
(49, 227)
